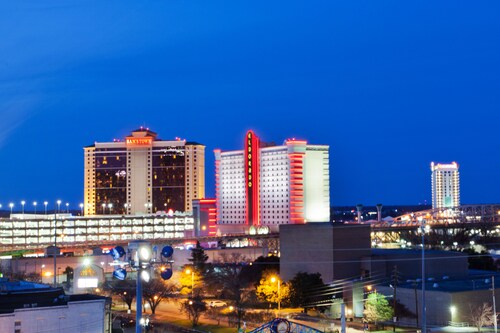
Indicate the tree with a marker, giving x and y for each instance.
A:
(191, 281)
(155, 291)
(194, 307)
(267, 290)
(229, 278)
(482, 316)
(125, 289)
(377, 308)
(252, 273)
(304, 289)
(198, 258)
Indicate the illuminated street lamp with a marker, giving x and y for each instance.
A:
(58, 205)
(141, 258)
(11, 205)
(191, 271)
(34, 204)
(45, 203)
(274, 279)
(67, 207)
(22, 204)
(110, 206)
(81, 209)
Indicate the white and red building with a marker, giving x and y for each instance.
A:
(265, 185)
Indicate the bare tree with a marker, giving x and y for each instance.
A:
(482, 316)
(155, 291)
(194, 307)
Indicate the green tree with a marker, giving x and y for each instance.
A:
(305, 289)
(199, 258)
(191, 281)
(377, 308)
(267, 290)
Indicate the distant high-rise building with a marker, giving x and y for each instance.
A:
(143, 175)
(266, 184)
(445, 185)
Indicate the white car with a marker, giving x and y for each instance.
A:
(217, 304)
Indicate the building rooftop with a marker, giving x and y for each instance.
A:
(22, 294)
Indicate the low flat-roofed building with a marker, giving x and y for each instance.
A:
(32, 307)
(448, 301)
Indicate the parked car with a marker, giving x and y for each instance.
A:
(217, 304)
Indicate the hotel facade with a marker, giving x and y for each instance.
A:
(143, 175)
(268, 185)
(445, 185)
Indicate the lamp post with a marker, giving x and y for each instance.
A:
(22, 204)
(67, 207)
(274, 279)
(424, 321)
(141, 258)
(11, 205)
(45, 203)
(103, 208)
(81, 209)
(34, 204)
(55, 240)
(110, 206)
(191, 271)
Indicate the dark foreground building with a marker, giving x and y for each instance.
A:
(32, 307)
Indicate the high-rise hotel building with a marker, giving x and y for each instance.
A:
(445, 185)
(266, 184)
(143, 175)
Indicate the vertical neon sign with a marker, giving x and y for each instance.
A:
(252, 178)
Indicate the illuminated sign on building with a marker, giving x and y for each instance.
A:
(139, 142)
(252, 177)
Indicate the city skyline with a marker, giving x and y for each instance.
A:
(389, 87)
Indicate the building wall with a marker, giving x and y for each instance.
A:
(83, 316)
(143, 175)
(293, 181)
(317, 186)
(334, 251)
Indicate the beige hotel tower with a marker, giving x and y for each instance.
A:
(143, 175)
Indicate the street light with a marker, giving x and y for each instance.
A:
(45, 203)
(110, 206)
(81, 209)
(22, 204)
(191, 271)
(274, 279)
(34, 204)
(103, 209)
(58, 205)
(67, 207)
(141, 258)
(423, 228)
(11, 205)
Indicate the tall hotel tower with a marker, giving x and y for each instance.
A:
(445, 185)
(266, 185)
(143, 175)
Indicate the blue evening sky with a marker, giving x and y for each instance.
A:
(389, 85)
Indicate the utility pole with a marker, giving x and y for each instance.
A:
(494, 303)
(395, 279)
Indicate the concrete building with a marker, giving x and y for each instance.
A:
(268, 185)
(333, 250)
(30, 307)
(143, 175)
(445, 185)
